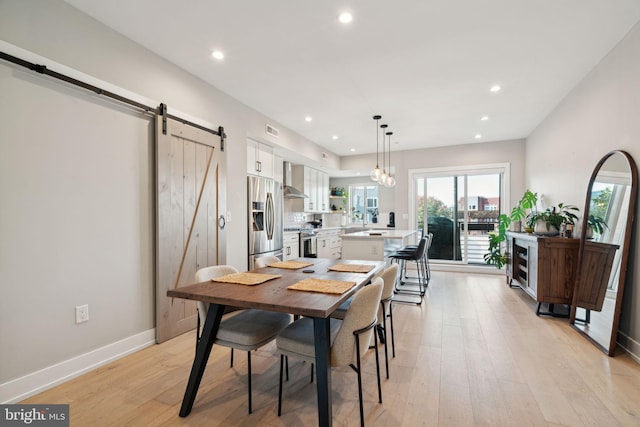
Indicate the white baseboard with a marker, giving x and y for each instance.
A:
(19, 389)
(630, 345)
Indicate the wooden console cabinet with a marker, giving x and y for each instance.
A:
(544, 267)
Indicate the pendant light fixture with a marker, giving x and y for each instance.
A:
(376, 172)
(391, 181)
(383, 177)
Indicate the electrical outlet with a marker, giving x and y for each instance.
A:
(82, 313)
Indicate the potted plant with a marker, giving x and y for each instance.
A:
(525, 209)
(549, 221)
(595, 224)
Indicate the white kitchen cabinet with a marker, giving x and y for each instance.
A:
(291, 245)
(310, 178)
(329, 244)
(315, 184)
(260, 159)
(323, 191)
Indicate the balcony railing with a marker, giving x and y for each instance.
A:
(475, 245)
(478, 246)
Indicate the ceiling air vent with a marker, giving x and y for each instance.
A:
(270, 130)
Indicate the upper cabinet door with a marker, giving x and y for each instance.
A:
(309, 188)
(259, 159)
(323, 191)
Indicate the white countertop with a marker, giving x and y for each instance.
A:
(380, 234)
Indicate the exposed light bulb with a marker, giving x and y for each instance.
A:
(375, 174)
(391, 182)
(383, 178)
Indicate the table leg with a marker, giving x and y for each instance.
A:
(208, 336)
(322, 338)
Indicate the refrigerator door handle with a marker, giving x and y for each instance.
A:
(269, 217)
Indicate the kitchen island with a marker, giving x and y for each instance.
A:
(376, 244)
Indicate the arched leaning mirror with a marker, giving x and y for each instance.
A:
(604, 249)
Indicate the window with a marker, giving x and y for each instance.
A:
(363, 203)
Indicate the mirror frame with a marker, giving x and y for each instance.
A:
(625, 250)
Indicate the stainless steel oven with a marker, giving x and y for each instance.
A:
(308, 244)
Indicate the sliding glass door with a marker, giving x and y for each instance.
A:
(459, 207)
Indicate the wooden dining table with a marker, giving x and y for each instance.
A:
(274, 295)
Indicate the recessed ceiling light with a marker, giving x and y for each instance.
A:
(308, 119)
(352, 150)
(217, 54)
(334, 137)
(345, 17)
(484, 118)
(495, 88)
(478, 136)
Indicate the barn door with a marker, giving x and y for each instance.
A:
(189, 200)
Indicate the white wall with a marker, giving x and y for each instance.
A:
(76, 222)
(511, 152)
(76, 200)
(601, 114)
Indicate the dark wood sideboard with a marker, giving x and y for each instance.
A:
(544, 267)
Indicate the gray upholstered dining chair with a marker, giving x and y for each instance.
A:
(264, 261)
(245, 329)
(385, 311)
(349, 338)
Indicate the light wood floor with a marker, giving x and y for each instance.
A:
(473, 354)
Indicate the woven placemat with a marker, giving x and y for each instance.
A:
(324, 286)
(246, 278)
(291, 265)
(352, 268)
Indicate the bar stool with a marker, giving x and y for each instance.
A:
(419, 257)
(404, 274)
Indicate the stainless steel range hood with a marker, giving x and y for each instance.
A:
(290, 192)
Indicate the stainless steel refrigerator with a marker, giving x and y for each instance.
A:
(265, 218)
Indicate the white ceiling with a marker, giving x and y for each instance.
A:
(425, 65)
